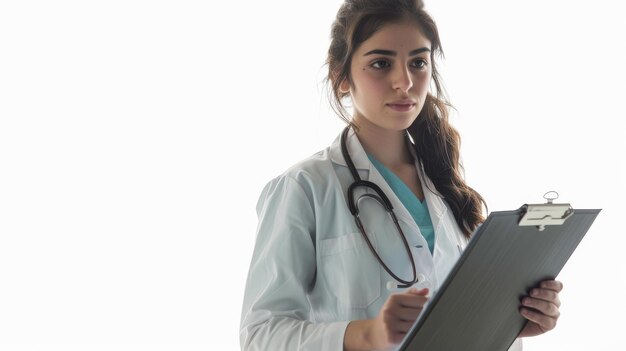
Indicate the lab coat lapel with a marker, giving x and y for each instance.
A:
(434, 200)
(355, 149)
(449, 240)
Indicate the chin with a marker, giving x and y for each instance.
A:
(402, 124)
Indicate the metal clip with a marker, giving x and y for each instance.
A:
(540, 215)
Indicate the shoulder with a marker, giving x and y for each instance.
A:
(306, 177)
(312, 169)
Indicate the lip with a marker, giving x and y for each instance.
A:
(402, 106)
(402, 102)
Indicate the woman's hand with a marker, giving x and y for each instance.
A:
(396, 317)
(541, 308)
(394, 320)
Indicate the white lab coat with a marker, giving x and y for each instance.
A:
(312, 272)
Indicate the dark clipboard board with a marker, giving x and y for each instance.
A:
(477, 306)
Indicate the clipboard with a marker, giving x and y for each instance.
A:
(477, 306)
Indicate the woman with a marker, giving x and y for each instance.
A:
(320, 281)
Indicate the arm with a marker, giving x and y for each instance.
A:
(275, 314)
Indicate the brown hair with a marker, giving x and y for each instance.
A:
(436, 142)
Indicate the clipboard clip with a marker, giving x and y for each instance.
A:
(541, 215)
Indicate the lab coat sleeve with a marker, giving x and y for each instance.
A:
(276, 309)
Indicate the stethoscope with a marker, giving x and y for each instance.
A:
(381, 198)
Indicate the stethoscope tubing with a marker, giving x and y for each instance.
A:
(384, 201)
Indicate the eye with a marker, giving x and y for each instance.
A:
(380, 64)
(420, 63)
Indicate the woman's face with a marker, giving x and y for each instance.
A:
(391, 74)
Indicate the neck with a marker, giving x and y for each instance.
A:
(387, 146)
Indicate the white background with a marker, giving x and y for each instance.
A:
(135, 138)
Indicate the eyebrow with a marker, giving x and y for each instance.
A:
(393, 53)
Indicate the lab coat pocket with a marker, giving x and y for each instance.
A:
(350, 270)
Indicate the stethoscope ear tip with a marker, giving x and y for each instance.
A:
(392, 285)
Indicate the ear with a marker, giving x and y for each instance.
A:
(344, 87)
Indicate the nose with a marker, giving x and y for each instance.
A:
(402, 79)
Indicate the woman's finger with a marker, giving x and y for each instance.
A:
(407, 314)
(545, 307)
(546, 295)
(553, 285)
(409, 300)
(544, 322)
